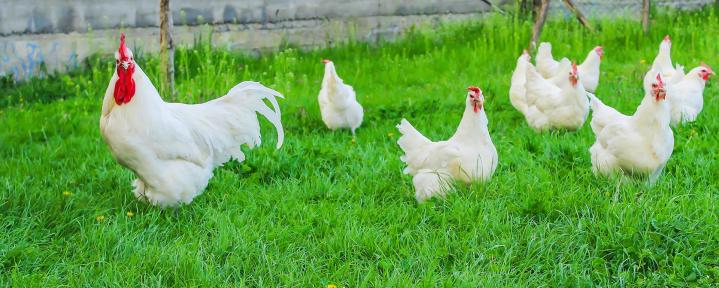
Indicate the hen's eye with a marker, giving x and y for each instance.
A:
(117, 62)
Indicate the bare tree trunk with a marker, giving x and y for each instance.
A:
(529, 9)
(570, 5)
(167, 49)
(646, 4)
(539, 23)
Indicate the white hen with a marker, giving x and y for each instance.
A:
(468, 156)
(588, 71)
(338, 103)
(663, 62)
(546, 65)
(686, 95)
(517, 88)
(555, 103)
(641, 143)
(172, 148)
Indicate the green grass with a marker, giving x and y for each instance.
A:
(326, 210)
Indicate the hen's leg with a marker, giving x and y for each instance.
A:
(428, 184)
(654, 176)
(139, 190)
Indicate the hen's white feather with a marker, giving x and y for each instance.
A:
(517, 90)
(469, 155)
(663, 62)
(546, 65)
(550, 105)
(588, 71)
(338, 102)
(641, 143)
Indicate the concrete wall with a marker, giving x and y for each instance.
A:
(621, 8)
(61, 33)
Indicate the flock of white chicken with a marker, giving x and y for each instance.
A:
(173, 148)
(557, 95)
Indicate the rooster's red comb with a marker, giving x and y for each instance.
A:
(123, 49)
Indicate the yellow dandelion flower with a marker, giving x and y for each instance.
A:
(354, 140)
(643, 61)
(66, 193)
(390, 134)
(331, 286)
(100, 218)
(130, 214)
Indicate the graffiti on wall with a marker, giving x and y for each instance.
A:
(24, 59)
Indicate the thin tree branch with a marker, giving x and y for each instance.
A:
(570, 5)
(494, 7)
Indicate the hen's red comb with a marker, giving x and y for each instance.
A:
(667, 38)
(659, 79)
(325, 61)
(706, 66)
(574, 67)
(474, 89)
(123, 49)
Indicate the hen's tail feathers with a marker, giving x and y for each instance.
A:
(258, 92)
(410, 142)
(678, 75)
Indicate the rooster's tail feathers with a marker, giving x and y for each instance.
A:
(258, 92)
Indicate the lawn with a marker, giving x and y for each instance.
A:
(327, 209)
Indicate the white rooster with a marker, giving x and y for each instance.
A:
(663, 62)
(172, 148)
(641, 143)
(469, 155)
(560, 102)
(338, 103)
(686, 94)
(588, 71)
